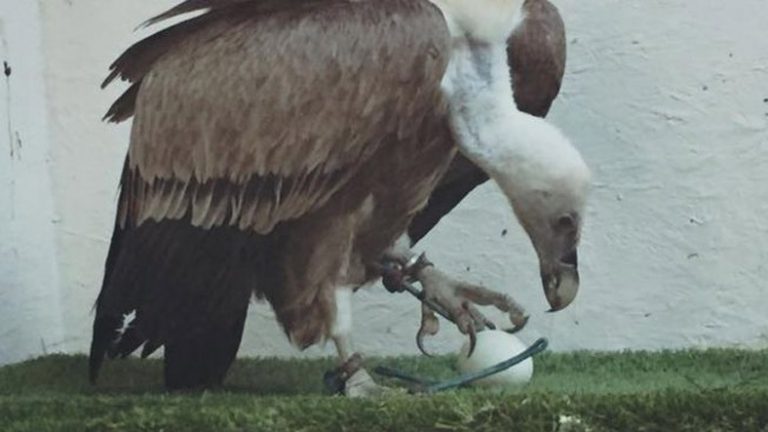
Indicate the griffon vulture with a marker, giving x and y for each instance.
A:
(280, 148)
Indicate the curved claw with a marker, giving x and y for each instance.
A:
(465, 320)
(472, 339)
(429, 326)
(420, 344)
(518, 326)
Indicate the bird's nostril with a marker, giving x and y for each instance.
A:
(571, 258)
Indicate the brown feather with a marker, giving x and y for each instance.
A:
(536, 52)
(270, 153)
(189, 6)
(215, 107)
(122, 109)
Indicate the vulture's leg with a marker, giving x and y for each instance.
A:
(456, 300)
(341, 332)
(356, 380)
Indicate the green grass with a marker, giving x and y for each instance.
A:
(717, 390)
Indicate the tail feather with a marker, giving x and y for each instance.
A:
(105, 330)
(190, 289)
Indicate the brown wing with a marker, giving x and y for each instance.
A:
(536, 52)
(136, 61)
(195, 5)
(250, 117)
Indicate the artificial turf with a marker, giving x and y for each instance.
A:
(714, 390)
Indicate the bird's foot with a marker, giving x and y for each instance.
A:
(362, 385)
(352, 380)
(454, 299)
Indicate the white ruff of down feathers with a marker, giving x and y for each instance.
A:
(521, 152)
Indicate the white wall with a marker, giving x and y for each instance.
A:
(30, 317)
(664, 97)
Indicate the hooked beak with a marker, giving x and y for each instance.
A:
(561, 281)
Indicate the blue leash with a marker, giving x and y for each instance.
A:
(432, 386)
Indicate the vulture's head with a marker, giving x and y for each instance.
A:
(547, 182)
(538, 169)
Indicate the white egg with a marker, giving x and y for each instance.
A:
(496, 346)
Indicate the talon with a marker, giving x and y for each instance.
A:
(481, 322)
(518, 326)
(429, 326)
(472, 341)
(467, 326)
(420, 344)
(336, 379)
(454, 300)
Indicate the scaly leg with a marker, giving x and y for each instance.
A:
(341, 332)
(454, 299)
(357, 382)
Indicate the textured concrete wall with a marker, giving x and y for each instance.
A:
(30, 314)
(667, 99)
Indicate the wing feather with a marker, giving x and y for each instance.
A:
(255, 93)
(250, 114)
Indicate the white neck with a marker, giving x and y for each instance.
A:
(513, 147)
